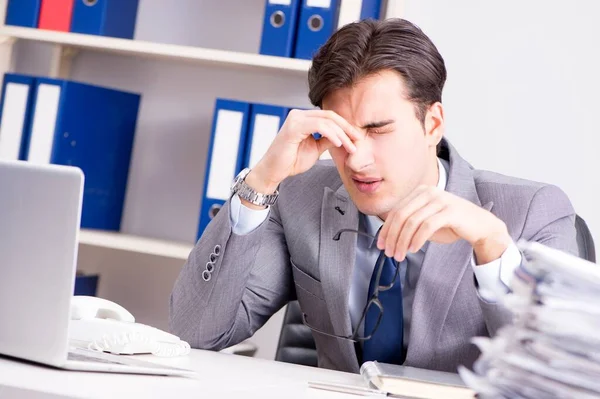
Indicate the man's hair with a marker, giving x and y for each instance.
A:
(363, 48)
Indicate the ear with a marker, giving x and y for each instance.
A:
(434, 124)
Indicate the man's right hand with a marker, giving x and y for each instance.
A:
(294, 150)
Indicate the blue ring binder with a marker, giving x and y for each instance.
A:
(86, 285)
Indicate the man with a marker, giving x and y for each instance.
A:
(395, 186)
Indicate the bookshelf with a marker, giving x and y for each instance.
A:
(66, 46)
(135, 244)
(69, 43)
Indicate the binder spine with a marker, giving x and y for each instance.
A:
(279, 27)
(17, 93)
(56, 15)
(23, 13)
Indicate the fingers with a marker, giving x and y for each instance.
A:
(325, 129)
(395, 220)
(301, 124)
(351, 131)
(421, 217)
(323, 144)
(428, 228)
(331, 126)
(397, 235)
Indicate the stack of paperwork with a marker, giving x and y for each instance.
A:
(552, 349)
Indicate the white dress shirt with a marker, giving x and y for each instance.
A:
(492, 278)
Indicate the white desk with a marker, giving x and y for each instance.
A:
(220, 376)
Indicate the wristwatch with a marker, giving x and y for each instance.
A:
(249, 194)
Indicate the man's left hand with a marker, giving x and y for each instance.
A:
(432, 214)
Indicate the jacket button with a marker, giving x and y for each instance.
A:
(210, 267)
(217, 250)
(213, 257)
(206, 275)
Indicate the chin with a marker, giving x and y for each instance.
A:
(371, 206)
(374, 204)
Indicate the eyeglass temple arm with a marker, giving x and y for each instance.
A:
(354, 337)
(337, 236)
(307, 324)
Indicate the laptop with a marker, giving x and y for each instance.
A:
(40, 213)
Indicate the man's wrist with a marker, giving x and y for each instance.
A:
(259, 183)
(491, 247)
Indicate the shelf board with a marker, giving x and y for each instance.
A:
(136, 244)
(157, 50)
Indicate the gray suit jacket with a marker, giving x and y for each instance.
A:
(292, 255)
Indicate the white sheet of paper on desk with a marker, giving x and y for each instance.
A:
(534, 385)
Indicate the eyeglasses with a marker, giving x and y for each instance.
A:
(372, 304)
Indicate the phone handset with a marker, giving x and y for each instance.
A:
(89, 307)
(102, 325)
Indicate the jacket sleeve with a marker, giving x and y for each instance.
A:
(550, 221)
(250, 281)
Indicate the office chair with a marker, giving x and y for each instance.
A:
(585, 242)
(296, 344)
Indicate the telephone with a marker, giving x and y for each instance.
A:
(104, 326)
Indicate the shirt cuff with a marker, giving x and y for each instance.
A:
(243, 219)
(494, 278)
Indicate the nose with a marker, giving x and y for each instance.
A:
(362, 157)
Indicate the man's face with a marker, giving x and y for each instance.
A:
(395, 153)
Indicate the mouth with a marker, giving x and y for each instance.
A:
(367, 185)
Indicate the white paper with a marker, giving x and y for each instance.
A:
(228, 132)
(44, 124)
(281, 2)
(552, 347)
(14, 111)
(265, 130)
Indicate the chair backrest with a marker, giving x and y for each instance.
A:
(585, 242)
(296, 343)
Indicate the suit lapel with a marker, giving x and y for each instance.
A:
(336, 262)
(442, 271)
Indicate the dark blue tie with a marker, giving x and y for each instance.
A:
(386, 344)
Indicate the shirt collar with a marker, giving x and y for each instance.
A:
(374, 223)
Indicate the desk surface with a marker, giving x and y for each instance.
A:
(219, 375)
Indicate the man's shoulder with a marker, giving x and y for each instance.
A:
(486, 180)
(517, 193)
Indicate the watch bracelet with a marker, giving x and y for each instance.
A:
(247, 193)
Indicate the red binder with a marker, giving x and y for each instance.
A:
(56, 15)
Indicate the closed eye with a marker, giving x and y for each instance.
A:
(377, 125)
(380, 131)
